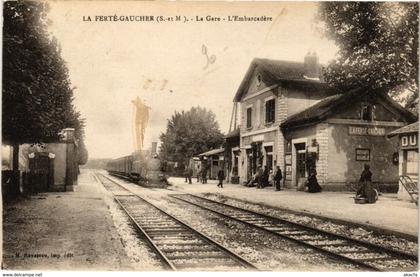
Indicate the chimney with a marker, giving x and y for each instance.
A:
(67, 135)
(311, 65)
(154, 147)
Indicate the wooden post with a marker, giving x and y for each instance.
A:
(15, 184)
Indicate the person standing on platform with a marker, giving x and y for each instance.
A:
(259, 177)
(204, 174)
(189, 174)
(312, 184)
(198, 174)
(277, 178)
(186, 174)
(266, 174)
(221, 177)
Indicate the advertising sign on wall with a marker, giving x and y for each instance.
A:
(362, 154)
(366, 131)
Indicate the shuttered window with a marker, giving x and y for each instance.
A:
(270, 111)
(249, 117)
(367, 112)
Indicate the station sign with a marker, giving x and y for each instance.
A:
(258, 138)
(366, 131)
(409, 141)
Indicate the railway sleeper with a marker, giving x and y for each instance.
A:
(205, 262)
(244, 217)
(160, 222)
(281, 231)
(175, 240)
(374, 259)
(208, 266)
(273, 225)
(159, 226)
(367, 251)
(297, 233)
(164, 230)
(180, 243)
(197, 255)
(174, 237)
(157, 218)
(313, 238)
(193, 249)
(335, 244)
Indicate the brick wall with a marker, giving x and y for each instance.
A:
(322, 163)
(282, 110)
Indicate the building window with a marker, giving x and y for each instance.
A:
(270, 111)
(412, 162)
(269, 157)
(367, 112)
(249, 117)
(259, 80)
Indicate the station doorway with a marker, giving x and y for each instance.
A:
(41, 172)
(300, 163)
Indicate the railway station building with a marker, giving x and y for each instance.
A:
(290, 118)
(213, 160)
(45, 167)
(408, 157)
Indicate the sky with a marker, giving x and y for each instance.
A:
(111, 63)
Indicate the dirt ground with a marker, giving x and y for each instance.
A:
(86, 230)
(62, 231)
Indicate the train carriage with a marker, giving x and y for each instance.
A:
(143, 168)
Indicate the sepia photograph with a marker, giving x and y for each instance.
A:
(222, 136)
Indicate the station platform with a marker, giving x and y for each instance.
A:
(388, 213)
(62, 231)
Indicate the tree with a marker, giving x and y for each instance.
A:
(37, 94)
(378, 46)
(190, 133)
(82, 153)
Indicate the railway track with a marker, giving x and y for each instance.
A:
(179, 246)
(363, 254)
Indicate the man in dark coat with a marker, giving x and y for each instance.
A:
(259, 177)
(277, 178)
(204, 174)
(221, 177)
(266, 175)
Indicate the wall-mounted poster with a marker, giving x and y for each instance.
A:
(288, 172)
(362, 154)
(288, 159)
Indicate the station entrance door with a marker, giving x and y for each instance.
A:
(41, 172)
(300, 163)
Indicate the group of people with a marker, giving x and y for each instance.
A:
(263, 178)
(201, 175)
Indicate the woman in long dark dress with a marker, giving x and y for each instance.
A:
(313, 185)
(366, 189)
